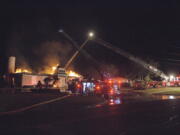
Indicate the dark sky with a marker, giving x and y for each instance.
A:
(147, 29)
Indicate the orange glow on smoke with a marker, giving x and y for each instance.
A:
(20, 70)
(50, 70)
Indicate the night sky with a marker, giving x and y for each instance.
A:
(147, 29)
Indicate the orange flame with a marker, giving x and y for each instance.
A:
(73, 74)
(20, 70)
(50, 70)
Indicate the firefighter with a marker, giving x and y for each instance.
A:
(39, 85)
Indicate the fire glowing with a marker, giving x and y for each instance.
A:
(73, 74)
(54, 68)
(20, 70)
(54, 86)
(49, 70)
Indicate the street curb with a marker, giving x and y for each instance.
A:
(32, 106)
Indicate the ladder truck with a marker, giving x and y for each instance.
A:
(117, 50)
(132, 58)
(147, 66)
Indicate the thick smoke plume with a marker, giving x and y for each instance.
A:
(38, 57)
(16, 49)
(51, 53)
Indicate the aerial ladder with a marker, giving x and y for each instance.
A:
(78, 51)
(117, 50)
(63, 69)
(132, 58)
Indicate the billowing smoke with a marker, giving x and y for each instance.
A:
(15, 49)
(37, 44)
(51, 53)
(36, 55)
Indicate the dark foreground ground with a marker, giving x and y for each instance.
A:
(74, 117)
(9, 102)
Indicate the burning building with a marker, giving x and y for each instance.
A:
(54, 77)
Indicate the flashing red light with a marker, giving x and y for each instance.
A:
(78, 86)
(119, 81)
(97, 87)
(111, 91)
(110, 81)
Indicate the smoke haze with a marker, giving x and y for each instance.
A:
(52, 53)
(38, 52)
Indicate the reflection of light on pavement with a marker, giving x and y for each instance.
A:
(111, 102)
(117, 101)
(171, 97)
(99, 105)
(165, 97)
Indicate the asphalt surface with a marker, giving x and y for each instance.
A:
(120, 116)
(10, 102)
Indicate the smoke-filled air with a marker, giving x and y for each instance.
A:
(40, 57)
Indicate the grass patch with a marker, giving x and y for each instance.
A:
(166, 90)
(176, 92)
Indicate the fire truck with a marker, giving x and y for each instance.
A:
(173, 81)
